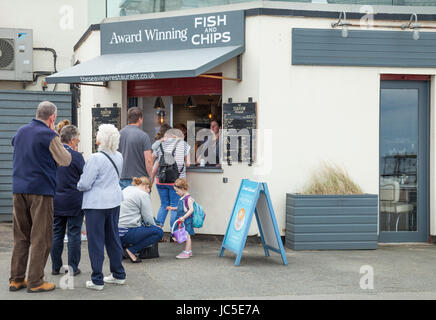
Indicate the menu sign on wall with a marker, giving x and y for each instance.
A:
(239, 124)
(104, 115)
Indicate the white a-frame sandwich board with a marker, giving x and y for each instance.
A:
(253, 198)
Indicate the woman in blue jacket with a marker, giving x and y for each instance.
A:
(102, 197)
(68, 205)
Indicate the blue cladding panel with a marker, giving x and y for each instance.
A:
(17, 108)
(363, 48)
(325, 222)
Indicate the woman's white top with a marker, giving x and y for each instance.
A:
(135, 208)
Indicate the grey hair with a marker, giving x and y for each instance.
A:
(109, 138)
(45, 110)
(69, 132)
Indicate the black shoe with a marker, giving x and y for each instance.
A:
(55, 272)
(75, 273)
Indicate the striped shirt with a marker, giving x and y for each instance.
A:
(122, 231)
(182, 150)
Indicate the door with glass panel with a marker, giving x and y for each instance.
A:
(404, 161)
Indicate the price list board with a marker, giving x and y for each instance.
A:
(239, 124)
(101, 116)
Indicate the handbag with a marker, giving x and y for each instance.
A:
(180, 234)
(150, 252)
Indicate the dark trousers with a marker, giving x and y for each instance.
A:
(60, 225)
(138, 238)
(33, 229)
(102, 230)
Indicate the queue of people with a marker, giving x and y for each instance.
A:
(54, 190)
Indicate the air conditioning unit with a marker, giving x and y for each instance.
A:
(16, 54)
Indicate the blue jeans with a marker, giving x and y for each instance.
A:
(124, 183)
(138, 238)
(102, 230)
(60, 225)
(168, 197)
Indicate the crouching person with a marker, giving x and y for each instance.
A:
(137, 226)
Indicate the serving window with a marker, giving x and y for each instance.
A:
(193, 105)
(202, 114)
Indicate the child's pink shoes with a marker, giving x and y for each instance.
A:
(184, 255)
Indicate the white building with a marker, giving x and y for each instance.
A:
(362, 99)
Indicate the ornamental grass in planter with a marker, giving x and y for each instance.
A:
(332, 212)
(331, 179)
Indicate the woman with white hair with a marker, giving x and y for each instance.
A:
(102, 198)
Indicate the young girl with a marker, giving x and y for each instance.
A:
(185, 208)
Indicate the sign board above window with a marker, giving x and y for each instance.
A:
(174, 33)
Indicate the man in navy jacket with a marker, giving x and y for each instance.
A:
(37, 152)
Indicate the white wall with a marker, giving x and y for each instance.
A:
(319, 113)
(115, 92)
(55, 24)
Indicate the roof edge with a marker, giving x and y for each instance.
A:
(271, 11)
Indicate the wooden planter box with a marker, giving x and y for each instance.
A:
(331, 222)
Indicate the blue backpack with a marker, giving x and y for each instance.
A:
(198, 215)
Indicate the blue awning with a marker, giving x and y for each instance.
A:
(147, 65)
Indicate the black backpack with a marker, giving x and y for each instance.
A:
(168, 170)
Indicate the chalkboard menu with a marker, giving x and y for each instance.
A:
(104, 115)
(239, 124)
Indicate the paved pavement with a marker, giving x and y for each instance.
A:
(399, 272)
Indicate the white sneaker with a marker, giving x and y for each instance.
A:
(111, 279)
(92, 286)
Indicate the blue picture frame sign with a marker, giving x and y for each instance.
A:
(253, 198)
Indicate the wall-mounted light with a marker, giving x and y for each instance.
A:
(342, 22)
(190, 102)
(210, 115)
(412, 25)
(158, 103)
(161, 115)
(159, 106)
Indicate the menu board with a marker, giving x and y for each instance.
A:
(253, 199)
(239, 124)
(100, 116)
